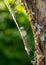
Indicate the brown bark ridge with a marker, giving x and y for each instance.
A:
(36, 11)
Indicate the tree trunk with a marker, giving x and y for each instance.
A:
(36, 11)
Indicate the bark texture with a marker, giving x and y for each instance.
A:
(36, 11)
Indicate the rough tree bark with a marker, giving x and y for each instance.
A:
(36, 11)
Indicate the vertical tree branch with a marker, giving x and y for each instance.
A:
(36, 11)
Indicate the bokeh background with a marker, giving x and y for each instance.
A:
(12, 50)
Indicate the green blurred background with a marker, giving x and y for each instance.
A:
(12, 50)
